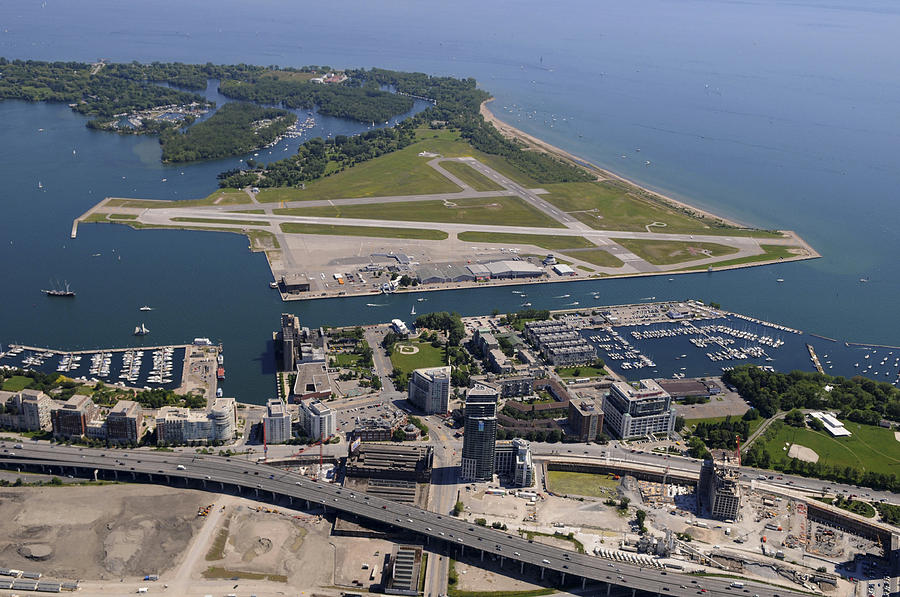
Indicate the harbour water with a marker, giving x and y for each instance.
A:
(771, 114)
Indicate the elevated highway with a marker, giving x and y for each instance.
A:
(216, 473)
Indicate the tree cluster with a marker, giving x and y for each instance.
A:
(722, 434)
(234, 129)
(858, 399)
(449, 323)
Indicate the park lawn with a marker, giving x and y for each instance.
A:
(770, 253)
(544, 241)
(16, 383)
(375, 231)
(511, 211)
(616, 205)
(667, 252)
(428, 356)
(869, 448)
(586, 484)
(583, 371)
(597, 257)
(470, 176)
(345, 359)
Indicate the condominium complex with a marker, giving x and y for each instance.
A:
(27, 410)
(638, 410)
(125, 423)
(559, 343)
(429, 389)
(178, 425)
(277, 422)
(512, 460)
(585, 419)
(317, 420)
(480, 433)
(71, 420)
(720, 490)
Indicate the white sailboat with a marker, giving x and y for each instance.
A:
(141, 330)
(413, 312)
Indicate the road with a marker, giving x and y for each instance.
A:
(215, 472)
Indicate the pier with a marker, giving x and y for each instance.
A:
(814, 358)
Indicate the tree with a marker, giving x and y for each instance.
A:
(679, 423)
(640, 516)
(458, 508)
(623, 503)
(795, 418)
(482, 522)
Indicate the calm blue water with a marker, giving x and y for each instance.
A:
(777, 115)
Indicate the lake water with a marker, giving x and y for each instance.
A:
(777, 115)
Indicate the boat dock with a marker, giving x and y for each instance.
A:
(814, 358)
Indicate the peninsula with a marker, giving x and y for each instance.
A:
(448, 197)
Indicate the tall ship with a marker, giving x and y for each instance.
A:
(66, 292)
(141, 330)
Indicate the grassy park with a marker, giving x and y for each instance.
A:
(425, 355)
(869, 448)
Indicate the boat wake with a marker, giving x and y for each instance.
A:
(375, 305)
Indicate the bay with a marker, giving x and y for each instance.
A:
(777, 115)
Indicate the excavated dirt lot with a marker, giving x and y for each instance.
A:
(96, 532)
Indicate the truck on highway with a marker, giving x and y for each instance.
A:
(180, 467)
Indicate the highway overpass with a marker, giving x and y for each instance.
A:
(216, 473)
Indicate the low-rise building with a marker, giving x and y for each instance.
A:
(403, 570)
(72, 418)
(317, 420)
(312, 382)
(391, 462)
(277, 422)
(832, 425)
(125, 423)
(559, 343)
(499, 362)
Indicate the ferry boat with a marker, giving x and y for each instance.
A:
(67, 292)
(220, 372)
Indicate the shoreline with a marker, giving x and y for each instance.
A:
(511, 131)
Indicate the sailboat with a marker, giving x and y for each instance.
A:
(413, 312)
(141, 330)
(67, 292)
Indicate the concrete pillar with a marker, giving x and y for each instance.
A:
(307, 504)
(204, 483)
(542, 571)
(462, 550)
(633, 592)
(116, 474)
(521, 567)
(501, 561)
(583, 583)
(482, 555)
(133, 476)
(168, 481)
(290, 500)
(563, 581)
(608, 587)
(256, 491)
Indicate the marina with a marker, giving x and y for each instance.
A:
(145, 368)
(716, 341)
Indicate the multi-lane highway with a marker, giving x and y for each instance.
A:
(216, 473)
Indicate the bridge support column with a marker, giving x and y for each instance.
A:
(116, 475)
(256, 491)
(134, 476)
(204, 483)
(151, 477)
(95, 476)
(521, 567)
(563, 581)
(307, 504)
(583, 583)
(482, 556)
(633, 592)
(290, 500)
(168, 480)
(501, 561)
(43, 468)
(608, 587)
(542, 572)
(462, 550)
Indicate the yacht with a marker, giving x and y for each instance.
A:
(146, 308)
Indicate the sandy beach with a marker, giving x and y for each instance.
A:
(510, 131)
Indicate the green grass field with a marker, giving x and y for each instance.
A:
(869, 448)
(16, 383)
(597, 257)
(668, 252)
(583, 371)
(122, 216)
(428, 356)
(375, 231)
(587, 484)
(470, 176)
(511, 211)
(770, 253)
(612, 205)
(545, 241)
